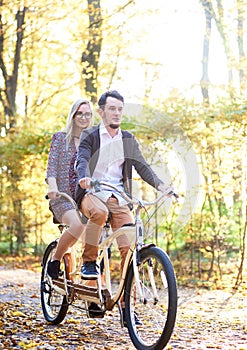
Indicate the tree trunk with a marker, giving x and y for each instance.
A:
(8, 94)
(205, 59)
(242, 58)
(239, 278)
(228, 52)
(90, 57)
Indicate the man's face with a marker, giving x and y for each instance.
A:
(112, 112)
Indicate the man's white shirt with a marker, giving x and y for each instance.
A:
(110, 164)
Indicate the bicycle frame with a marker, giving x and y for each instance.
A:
(137, 243)
(146, 288)
(104, 245)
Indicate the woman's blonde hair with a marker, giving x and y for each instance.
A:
(70, 120)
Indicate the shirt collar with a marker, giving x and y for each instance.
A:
(103, 130)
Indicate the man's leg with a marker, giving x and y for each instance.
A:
(120, 216)
(97, 212)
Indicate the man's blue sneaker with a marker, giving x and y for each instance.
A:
(90, 270)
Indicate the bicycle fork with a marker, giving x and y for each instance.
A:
(139, 284)
(136, 264)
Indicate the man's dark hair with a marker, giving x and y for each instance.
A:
(111, 93)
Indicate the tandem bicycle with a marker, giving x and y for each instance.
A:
(147, 285)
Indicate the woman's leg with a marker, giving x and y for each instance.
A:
(70, 236)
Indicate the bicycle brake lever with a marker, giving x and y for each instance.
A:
(97, 188)
(171, 193)
(96, 185)
(175, 195)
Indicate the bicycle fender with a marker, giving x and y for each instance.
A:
(145, 246)
(50, 245)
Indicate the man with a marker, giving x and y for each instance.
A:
(107, 153)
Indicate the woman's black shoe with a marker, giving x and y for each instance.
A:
(53, 269)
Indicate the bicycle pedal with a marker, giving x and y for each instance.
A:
(99, 315)
(95, 311)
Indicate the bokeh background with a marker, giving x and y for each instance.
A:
(181, 66)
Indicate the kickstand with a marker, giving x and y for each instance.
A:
(120, 313)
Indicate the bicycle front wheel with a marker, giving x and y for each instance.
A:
(54, 304)
(153, 301)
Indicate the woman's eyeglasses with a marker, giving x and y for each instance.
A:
(82, 115)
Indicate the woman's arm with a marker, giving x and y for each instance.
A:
(52, 187)
(52, 166)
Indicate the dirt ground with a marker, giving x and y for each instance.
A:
(206, 320)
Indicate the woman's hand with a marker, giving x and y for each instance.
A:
(52, 190)
(52, 194)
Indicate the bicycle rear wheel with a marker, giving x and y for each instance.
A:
(157, 311)
(54, 305)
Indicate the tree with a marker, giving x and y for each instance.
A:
(205, 58)
(10, 75)
(241, 51)
(91, 55)
(235, 61)
(20, 36)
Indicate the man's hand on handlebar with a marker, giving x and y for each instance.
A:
(89, 183)
(85, 182)
(169, 191)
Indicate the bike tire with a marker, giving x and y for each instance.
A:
(156, 314)
(54, 305)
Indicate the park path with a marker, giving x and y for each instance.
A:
(206, 319)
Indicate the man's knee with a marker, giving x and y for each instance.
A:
(99, 216)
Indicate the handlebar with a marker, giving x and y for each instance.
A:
(82, 217)
(97, 185)
(65, 195)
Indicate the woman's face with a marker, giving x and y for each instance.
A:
(83, 116)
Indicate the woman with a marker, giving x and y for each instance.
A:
(59, 177)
